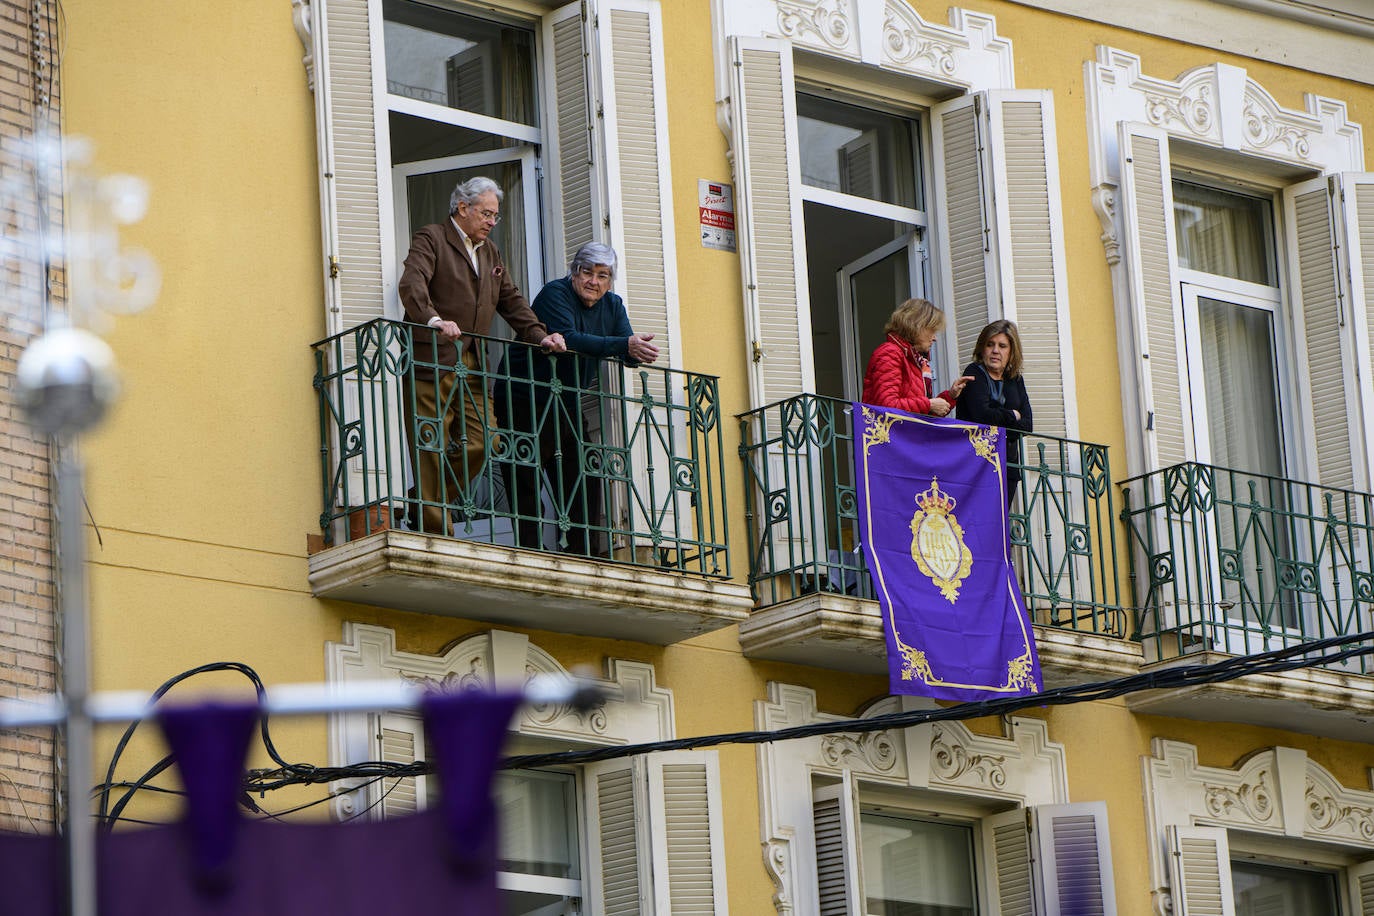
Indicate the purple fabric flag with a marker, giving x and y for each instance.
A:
(933, 518)
(216, 862)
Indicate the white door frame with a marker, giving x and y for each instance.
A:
(849, 354)
(529, 179)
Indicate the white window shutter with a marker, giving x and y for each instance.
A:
(654, 825)
(839, 860)
(1000, 211)
(1007, 851)
(964, 217)
(639, 185)
(1200, 871)
(571, 135)
(689, 858)
(1357, 210)
(1361, 879)
(1154, 300)
(399, 739)
(1074, 859)
(359, 275)
(618, 837)
(771, 235)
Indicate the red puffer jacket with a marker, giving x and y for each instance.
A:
(897, 378)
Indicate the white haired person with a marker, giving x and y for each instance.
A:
(592, 320)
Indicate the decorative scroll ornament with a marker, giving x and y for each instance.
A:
(905, 46)
(873, 751)
(950, 761)
(937, 542)
(1325, 813)
(300, 18)
(1262, 130)
(829, 21)
(1192, 111)
(546, 714)
(1254, 801)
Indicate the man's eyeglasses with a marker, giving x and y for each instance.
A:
(591, 273)
(490, 216)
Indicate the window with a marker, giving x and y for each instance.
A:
(864, 230)
(1261, 889)
(916, 867)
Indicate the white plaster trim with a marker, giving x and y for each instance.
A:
(636, 710)
(1024, 768)
(303, 20)
(967, 54)
(1278, 792)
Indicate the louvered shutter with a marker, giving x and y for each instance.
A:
(1074, 859)
(1000, 211)
(655, 828)
(638, 180)
(1155, 304)
(1357, 207)
(1323, 314)
(771, 236)
(689, 863)
(1200, 871)
(358, 281)
(839, 862)
(1007, 851)
(399, 739)
(1362, 888)
(570, 137)
(471, 79)
(619, 835)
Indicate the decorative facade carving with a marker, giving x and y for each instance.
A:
(1104, 205)
(301, 19)
(951, 761)
(635, 711)
(1277, 792)
(1264, 129)
(1192, 112)
(943, 759)
(827, 20)
(905, 45)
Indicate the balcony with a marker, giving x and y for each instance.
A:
(1231, 563)
(815, 601)
(624, 536)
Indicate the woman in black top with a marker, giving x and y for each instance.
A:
(996, 392)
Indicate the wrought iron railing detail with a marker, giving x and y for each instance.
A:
(1235, 562)
(647, 442)
(802, 516)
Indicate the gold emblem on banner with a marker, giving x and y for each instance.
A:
(937, 541)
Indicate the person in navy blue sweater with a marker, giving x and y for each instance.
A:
(596, 327)
(996, 392)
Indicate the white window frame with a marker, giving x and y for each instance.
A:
(1276, 802)
(943, 766)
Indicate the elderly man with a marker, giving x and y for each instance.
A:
(454, 281)
(596, 326)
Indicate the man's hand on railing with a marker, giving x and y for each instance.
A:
(641, 350)
(449, 329)
(554, 343)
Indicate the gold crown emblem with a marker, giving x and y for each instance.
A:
(933, 500)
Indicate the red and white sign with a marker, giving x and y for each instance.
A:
(716, 206)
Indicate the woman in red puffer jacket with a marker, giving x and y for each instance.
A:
(898, 374)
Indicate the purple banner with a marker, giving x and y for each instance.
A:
(933, 518)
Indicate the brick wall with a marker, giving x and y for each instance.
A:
(28, 96)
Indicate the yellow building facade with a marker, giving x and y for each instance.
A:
(1171, 202)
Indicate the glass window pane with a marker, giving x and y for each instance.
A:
(1223, 233)
(1241, 388)
(440, 56)
(538, 829)
(1271, 890)
(857, 151)
(917, 868)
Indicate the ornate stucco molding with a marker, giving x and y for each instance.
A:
(635, 710)
(302, 19)
(966, 55)
(1278, 792)
(945, 759)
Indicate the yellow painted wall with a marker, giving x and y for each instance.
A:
(204, 482)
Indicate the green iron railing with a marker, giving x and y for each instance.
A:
(645, 443)
(802, 515)
(1240, 563)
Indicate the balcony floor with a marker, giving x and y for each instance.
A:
(826, 630)
(510, 587)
